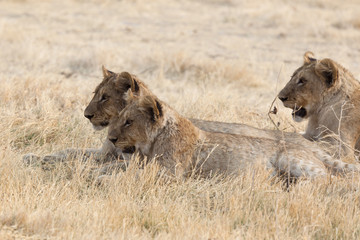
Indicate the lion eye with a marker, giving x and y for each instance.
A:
(301, 81)
(104, 97)
(128, 123)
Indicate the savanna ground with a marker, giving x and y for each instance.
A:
(217, 60)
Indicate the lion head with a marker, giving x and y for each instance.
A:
(108, 98)
(137, 124)
(309, 86)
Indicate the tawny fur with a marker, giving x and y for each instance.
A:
(109, 99)
(159, 132)
(331, 97)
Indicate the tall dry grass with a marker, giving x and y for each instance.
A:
(217, 60)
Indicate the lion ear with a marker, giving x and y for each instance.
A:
(133, 85)
(328, 71)
(129, 96)
(106, 72)
(153, 107)
(309, 57)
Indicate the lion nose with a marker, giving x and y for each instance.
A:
(283, 99)
(113, 139)
(89, 116)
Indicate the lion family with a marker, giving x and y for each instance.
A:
(321, 91)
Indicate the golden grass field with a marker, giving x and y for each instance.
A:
(219, 60)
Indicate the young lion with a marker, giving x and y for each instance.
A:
(108, 100)
(106, 103)
(156, 131)
(329, 96)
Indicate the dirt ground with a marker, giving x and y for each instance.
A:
(220, 60)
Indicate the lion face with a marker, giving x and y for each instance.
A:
(108, 98)
(305, 91)
(136, 125)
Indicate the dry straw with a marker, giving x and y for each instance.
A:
(215, 60)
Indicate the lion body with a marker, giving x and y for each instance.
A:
(328, 95)
(215, 147)
(108, 100)
(184, 149)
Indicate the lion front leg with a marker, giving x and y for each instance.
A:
(345, 148)
(30, 159)
(96, 155)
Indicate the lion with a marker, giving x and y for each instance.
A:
(328, 95)
(105, 104)
(108, 100)
(154, 130)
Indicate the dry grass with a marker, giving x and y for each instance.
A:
(215, 60)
